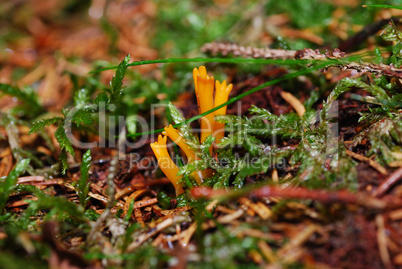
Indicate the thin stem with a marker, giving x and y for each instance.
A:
(214, 60)
(384, 6)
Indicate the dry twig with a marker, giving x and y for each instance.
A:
(294, 102)
(389, 182)
(324, 196)
(371, 162)
(266, 53)
(382, 242)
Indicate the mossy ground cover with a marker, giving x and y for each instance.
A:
(307, 174)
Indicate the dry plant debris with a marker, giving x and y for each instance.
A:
(307, 174)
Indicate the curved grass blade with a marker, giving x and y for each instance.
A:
(384, 6)
(10, 182)
(117, 80)
(213, 60)
(83, 183)
(240, 96)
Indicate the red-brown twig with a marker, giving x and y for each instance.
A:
(389, 182)
(324, 196)
(267, 53)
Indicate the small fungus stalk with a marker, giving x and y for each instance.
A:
(176, 137)
(168, 167)
(221, 96)
(201, 71)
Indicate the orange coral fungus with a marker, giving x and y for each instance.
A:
(221, 96)
(176, 137)
(204, 90)
(166, 164)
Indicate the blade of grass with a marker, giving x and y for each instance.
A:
(83, 183)
(213, 60)
(240, 96)
(383, 6)
(30, 98)
(10, 182)
(117, 80)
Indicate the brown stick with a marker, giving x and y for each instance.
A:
(357, 39)
(371, 162)
(294, 102)
(389, 182)
(267, 53)
(324, 196)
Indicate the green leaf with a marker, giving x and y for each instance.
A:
(40, 125)
(117, 80)
(222, 180)
(63, 140)
(83, 183)
(207, 144)
(131, 123)
(185, 129)
(29, 97)
(65, 145)
(28, 154)
(164, 200)
(384, 136)
(182, 200)
(129, 211)
(189, 168)
(58, 206)
(391, 33)
(8, 185)
(378, 56)
(83, 116)
(396, 54)
(249, 168)
(81, 98)
(102, 99)
(314, 96)
(91, 214)
(347, 84)
(64, 162)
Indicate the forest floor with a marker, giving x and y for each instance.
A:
(307, 175)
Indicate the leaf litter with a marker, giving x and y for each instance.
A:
(305, 208)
